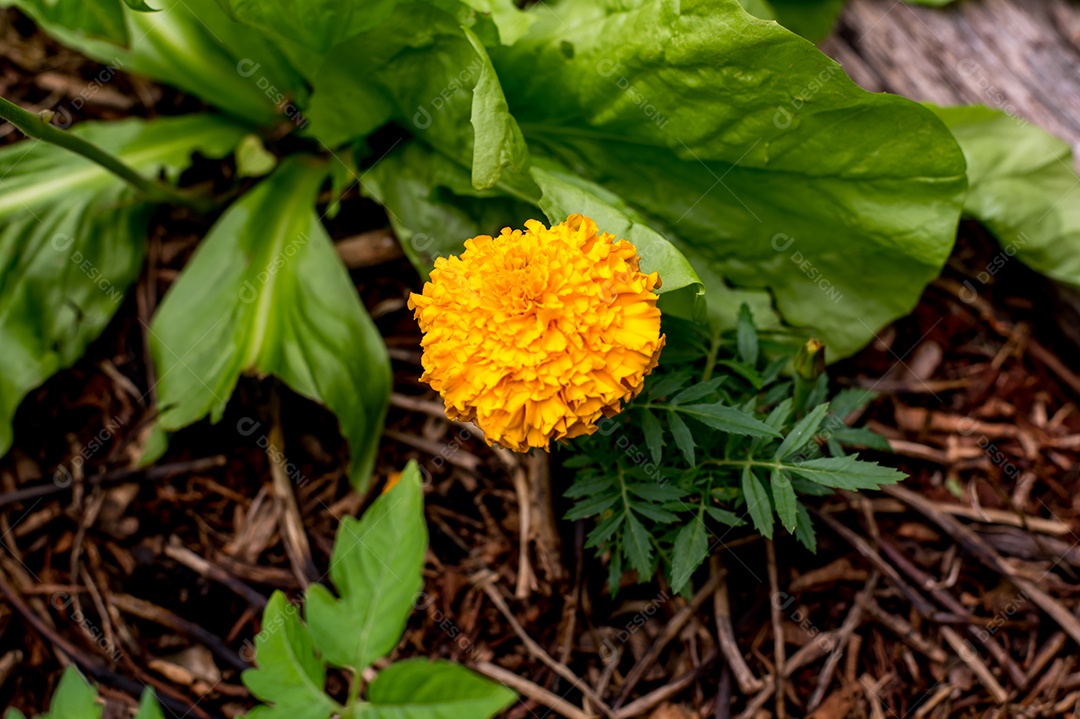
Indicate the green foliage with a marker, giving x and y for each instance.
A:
(376, 568)
(710, 445)
(265, 294)
(1024, 188)
(72, 238)
(75, 698)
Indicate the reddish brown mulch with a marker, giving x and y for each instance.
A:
(951, 596)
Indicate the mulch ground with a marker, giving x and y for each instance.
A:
(955, 594)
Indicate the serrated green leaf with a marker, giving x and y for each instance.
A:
(289, 675)
(590, 486)
(757, 503)
(654, 435)
(784, 498)
(698, 391)
(861, 437)
(725, 517)
(804, 528)
(266, 293)
(666, 384)
(72, 237)
(605, 530)
(691, 548)
(377, 568)
(655, 513)
(727, 419)
(590, 507)
(656, 491)
(422, 689)
(746, 335)
(683, 439)
(802, 432)
(74, 698)
(638, 547)
(846, 472)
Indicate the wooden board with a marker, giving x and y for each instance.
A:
(1020, 56)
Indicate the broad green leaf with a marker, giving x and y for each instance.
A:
(638, 547)
(757, 502)
(98, 19)
(252, 158)
(289, 676)
(149, 708)
(784, 498)
(759, 8)
(194, 46)
(498, 144)
(266, 294)
(564, 193)
(691, 548)
(512, 23)
(748, 149)
(1024, 188)
(72, 237)
(419, 68)
(727, 419)
(74, 698)
(813, 19)
(316, 24)
(376, 567)
(654, 435)
(802, 432)
(683, 439)
(433, 206)
(846, 472)
(422, 689)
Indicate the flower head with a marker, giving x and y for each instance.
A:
(535, 335)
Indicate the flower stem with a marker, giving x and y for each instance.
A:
(37, 126)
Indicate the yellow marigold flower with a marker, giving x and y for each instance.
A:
(535, 335)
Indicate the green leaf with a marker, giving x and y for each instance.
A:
(74, 698)
(1023, 188)
(762, 162)
(638, 547)
(139, 5)
(316, 24)
(72, 237)
(498, 143)
(747, 337)
(691, 548)
(149, 707)
(512, 23)
(194, 46)
(590, 507)
(813, 19)
(804, 528)
(98, 19)
(757, 502)
(422, 689)
(265, 293)
(433, 206)
(377, 567)
(252, 158)
(783, 495)
(697, 391)
(564, 193)
(683, 439)
(290, 675)
(725, 517)
(727, 419)
(846, 472)
(802, 432)
(654, 435)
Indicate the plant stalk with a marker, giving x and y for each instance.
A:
(38, 127)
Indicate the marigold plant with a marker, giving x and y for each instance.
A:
(538, 333)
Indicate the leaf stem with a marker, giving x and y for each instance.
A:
(710, 359)
(38, 127)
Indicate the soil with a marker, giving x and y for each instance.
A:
(954, 595)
